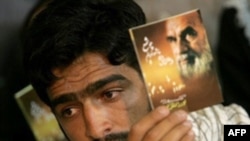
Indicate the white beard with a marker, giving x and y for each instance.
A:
(201, 66)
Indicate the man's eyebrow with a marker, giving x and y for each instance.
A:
(188, 31)
(63, 99)
(91, 88)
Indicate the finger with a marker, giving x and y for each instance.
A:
(190, 136)
(164, 127)
(139, 130)
(181, 131)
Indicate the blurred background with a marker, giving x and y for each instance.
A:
(13, 13)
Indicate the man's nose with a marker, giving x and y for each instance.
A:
(183, 46)
(96, 120)
(180, 47)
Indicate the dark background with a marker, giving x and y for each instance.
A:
(13, 126)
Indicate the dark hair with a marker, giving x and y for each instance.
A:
(67, 28)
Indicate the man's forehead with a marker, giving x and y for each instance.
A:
(84, 62)
(82, 82)
(191, 19)
(82, 67)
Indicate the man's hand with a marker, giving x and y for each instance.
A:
(161, 125)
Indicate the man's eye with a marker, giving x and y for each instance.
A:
(191, 37)
(112, 95)
(69, 112)
(190, 34)
(171, 39)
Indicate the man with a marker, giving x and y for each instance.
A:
(81, 62)
(187, 38)
(186, 35)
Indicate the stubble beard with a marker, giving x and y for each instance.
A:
(116, 137)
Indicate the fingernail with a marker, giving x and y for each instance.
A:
(181, 114)
(162, 110)
(191, 133)
(187, 123)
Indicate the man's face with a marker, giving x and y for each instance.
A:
(188, 41)
(96, 100)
